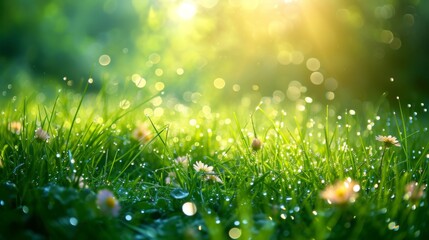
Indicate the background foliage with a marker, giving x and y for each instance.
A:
(263, 45)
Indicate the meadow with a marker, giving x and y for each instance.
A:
(211, 119)
(88, 165)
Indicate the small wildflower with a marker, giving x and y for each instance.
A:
(213, 178)
(15, 127)
(41, 135)
(201, 167)
(341, 192)
(388, 141)
(170, 178)
(107, 203)
(142, 134)
(256, 144)
(183, 161)
(413, 192)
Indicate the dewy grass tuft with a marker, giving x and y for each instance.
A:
(277, 172)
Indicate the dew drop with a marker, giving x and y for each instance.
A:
(179, 193)
(73, 221)
(25, 209)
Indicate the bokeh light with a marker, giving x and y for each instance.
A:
(186, 10)
(104, 60)
(234, 233)
(189, 208)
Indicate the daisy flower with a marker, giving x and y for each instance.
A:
(107, 203)
(388, 141)
(41, 135)
(213, 178)
(183, 161)
(201, 167)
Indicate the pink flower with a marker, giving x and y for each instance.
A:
(41, 135)
(107, 203)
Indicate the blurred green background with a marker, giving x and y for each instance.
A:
(288, 49)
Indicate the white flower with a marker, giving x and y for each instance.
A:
(201, 167)
(107, 203)
(214, 178)
(184, 161)
(388, 141)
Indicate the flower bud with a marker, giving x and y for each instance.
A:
(256, 144)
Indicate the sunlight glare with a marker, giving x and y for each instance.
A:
(186, 10)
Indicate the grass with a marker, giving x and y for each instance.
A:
(49, 187)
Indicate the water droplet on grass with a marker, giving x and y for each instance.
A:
(25, 209)
(179, 193)
(73, 221)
